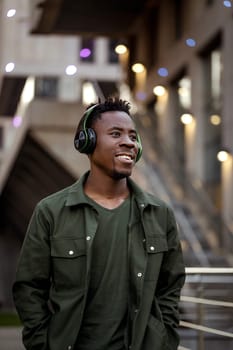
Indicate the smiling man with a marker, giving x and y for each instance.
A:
(101, 266)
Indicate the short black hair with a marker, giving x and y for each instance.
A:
(110, 104)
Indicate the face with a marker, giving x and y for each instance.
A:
(116, 148)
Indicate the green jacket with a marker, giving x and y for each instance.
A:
(54, 269)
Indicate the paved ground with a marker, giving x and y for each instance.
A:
(10, 338)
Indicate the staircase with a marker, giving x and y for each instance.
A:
(34, 175)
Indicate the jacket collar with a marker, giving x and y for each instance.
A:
(76, 194)
(142, 197)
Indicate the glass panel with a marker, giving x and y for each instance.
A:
(112, 55)
(46, 87)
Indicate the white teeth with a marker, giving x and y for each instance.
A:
(125, 157)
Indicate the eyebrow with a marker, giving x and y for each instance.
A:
(121, 129)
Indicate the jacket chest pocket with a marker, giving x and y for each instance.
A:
(68, 262)
(155, 247)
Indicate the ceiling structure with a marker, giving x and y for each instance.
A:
(88, 17)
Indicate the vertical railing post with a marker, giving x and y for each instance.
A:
(200, 317)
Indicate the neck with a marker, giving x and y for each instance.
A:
(108, 192)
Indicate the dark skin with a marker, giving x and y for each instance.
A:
(112, 160)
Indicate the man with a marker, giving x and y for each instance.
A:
(101, 266)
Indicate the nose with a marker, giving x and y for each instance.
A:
(127, 140)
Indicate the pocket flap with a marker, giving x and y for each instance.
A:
(156, 244)
(68, 248)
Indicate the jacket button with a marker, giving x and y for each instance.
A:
(88, 238)
(139, 274)
(152, 248)
(71, 252)
(69, 347)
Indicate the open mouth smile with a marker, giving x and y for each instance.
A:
(125, 157)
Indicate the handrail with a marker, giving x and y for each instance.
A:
(208, 270)
(220, 272)
(206, 301)
(206, 329)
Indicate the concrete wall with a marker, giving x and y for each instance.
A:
(54, 125)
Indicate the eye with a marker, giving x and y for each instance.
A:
(115, 133)
(133, 137)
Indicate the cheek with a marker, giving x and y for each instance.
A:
(102, 154)
(105, 147)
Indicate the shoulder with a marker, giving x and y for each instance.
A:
(146, 197)
(56, 199)
(153, 199)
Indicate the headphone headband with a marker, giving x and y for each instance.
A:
(87, 113)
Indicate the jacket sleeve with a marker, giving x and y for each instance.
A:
(31, 287)
(170, 282)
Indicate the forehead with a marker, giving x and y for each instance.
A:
(115, 119)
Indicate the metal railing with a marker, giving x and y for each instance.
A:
(201, 281)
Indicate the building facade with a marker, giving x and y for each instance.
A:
(185, 86)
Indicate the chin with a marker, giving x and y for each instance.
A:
(121, 175)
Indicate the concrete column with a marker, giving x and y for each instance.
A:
(163, 110)
(69, 89)
(227, 122)
(196, 154)
(101, 49)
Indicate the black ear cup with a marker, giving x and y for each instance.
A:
(79, 140)
(91, 137)
(85, 141)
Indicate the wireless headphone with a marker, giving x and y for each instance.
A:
(85, 139)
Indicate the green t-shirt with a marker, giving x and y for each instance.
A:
(105, 316)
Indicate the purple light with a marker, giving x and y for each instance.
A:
(163, 72)
(85, 52)
(17, 121)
